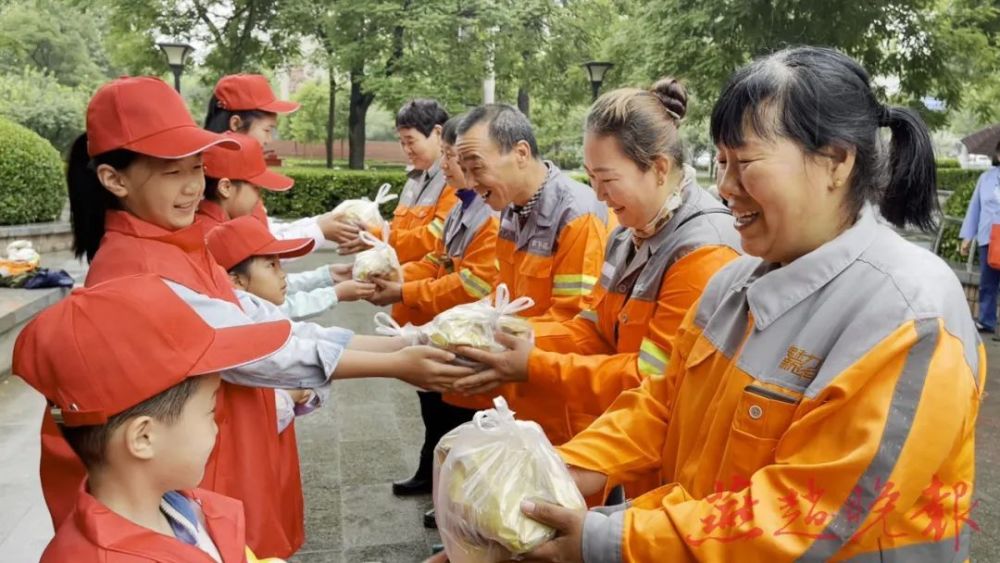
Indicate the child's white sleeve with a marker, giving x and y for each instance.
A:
(301, 228)
(284, 407)
(306, 304)
(308, 281)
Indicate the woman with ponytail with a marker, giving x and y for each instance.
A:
(672, 238)
(821, 399)
(135, 180)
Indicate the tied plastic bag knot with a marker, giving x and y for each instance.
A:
(475, 324)
(483, 470)
(385, 325)
(504, 307)
(379, 261)
(491, 420)
(363, 211)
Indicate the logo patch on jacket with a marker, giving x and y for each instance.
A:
(800, 363)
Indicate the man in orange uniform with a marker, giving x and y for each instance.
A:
(552, 229)
(461, 269)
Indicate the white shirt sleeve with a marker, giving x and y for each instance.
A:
(304, 362)
(306, 304)
(301, 228)
(308, 281)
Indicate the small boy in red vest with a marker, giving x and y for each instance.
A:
(130, 375)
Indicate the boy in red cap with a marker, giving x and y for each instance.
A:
(233, 182)
(131, 376)
(245, 103)
(252, 256)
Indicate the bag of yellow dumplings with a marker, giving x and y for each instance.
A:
(473, 324)
(363, 212)
(482, 471)
(379, 261)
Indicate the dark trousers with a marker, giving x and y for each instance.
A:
(989, 283)
(439, 419)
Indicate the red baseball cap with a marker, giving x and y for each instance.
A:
(243, 92)
(234, 241)
(246, 164)
(145, 115)
(109, 347)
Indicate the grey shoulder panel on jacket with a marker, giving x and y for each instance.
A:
(575, 199)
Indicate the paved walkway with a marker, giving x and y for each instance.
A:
(350, 453)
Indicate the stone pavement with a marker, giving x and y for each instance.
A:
(351, 451)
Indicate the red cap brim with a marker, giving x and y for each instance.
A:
(272, 181)
(180, 142)
(280, 106)
(240, 345)
(288, 248)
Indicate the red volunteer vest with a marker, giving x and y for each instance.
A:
(94, 533)
(209, 216)
(250, 462)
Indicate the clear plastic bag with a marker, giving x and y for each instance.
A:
(482, 471)
(379, 261)
(473, 324)
(385, 325)
(364, 211)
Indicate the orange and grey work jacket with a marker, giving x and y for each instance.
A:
(641, 298)
(461, 269)
(554, 256)
(823, 410)
(418, 221)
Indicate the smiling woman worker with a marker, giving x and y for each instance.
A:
(821, 399)
(673, 237)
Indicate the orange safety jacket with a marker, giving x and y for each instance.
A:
(641, 298)
(553, 255)
(461, 268)
(93, 532)
(418, 221)
(250, 461)
(823, 410)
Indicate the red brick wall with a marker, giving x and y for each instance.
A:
(384, 151)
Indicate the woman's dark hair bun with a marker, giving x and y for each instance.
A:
(672, 94)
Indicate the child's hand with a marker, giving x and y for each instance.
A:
(340, 272)
(428, 368)
(387, 292)
(300, 396)
(352, 290)
(335, 230)
(352, 246)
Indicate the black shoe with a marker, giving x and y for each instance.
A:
(411, 487)
(430, 521)
(983, 328)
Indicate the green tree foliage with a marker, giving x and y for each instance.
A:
(40, 103)
(53, 37)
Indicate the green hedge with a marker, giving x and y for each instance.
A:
(318, 190)
(948, 163)
(962, 183)
(32, 185)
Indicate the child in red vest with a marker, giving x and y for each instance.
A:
(130, 373)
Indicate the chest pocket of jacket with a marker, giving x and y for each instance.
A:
(534, 279)
(408, 217)
(760, 420)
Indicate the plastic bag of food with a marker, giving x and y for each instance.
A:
(379, 261)
(22, 258)
(482, 471)
(385, 325)
(364, 212)
(473, 324)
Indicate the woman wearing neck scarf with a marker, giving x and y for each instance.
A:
(673, 236)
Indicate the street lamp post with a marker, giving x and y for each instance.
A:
(177, 54)
(596, 71)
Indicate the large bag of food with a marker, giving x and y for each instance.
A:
(482, 471)
(473, 324)
(364, 212)
(379, 261)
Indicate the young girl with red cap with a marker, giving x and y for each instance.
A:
(245, 103)
(233, 183)
(135, 179)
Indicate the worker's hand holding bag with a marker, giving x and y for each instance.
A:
(483, 470)
(379, 261)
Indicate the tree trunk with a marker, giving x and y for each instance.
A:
(524, 101)
(331, 116)
(357, 113)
